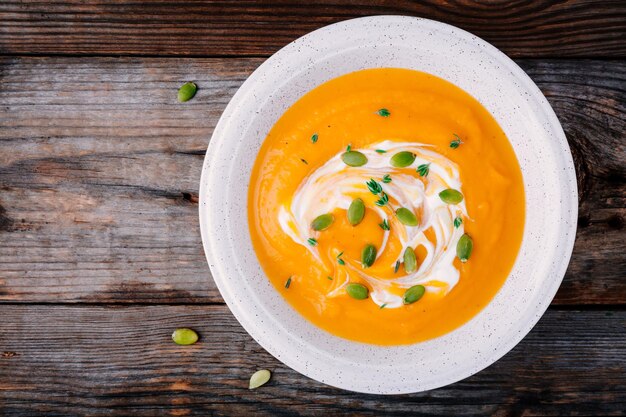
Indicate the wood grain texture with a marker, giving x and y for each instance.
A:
(74, 361)
(99, 169)
(578, 28)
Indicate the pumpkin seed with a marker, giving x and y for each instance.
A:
(406, 217)
(259, 378)
(322, 222)
(368, 255)
(410, 261)
(451, 196)
(402, 159)
(187, 91)
(357, 291)
(356, 211)
(413, 294)
(464, 247)
(184, 336)
(354, 158)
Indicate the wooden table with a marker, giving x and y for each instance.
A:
(100, 252)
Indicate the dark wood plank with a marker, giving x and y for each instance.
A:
(99, 169)
(578, 28)
(99, 172)
(589, 99)
(71, 361)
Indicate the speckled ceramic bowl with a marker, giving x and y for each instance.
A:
(520, 109)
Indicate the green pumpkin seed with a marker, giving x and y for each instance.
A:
(410, 261)
(322, 222)
(402, 159)
(259, 378)
(187, 91)
(406, 217)
(368, 256)
(354, 158)
(451, 196)
(184, 336)
(464, 247)
(357, 291)
(413, 294)
(356, 211)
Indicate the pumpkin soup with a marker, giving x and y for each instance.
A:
(387, 206)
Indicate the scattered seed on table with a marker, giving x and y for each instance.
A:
(184, 336)
(259, 378)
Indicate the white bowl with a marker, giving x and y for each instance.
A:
(522, 112)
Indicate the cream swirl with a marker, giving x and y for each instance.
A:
(333, 186)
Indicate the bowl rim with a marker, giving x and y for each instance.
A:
(566, 230)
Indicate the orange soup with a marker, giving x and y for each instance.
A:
(386, 206)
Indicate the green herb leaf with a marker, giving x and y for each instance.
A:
(395, 269)
(356, 211)
(381, 151)
(312, 241)
(384, 199)
(357, 291)
(330, 278)
(314, 138)
(354, 158)
(339, 260)
(383, 112)
(456, 142)
(406, 217)
(384, 225)
(410, 260)
(383, 306)
(259, 378)
(423, 170)
(187, 91)
(387, 179)
(368, 255)
(288, 283)
(402, 159)
(322, 222)
(464, 247)
(451, 196)
(374, 187)
(413, 294)
(457, 222)
(348, 148)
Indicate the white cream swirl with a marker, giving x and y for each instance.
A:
(333, 186)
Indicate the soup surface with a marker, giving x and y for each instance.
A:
(386, 206)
